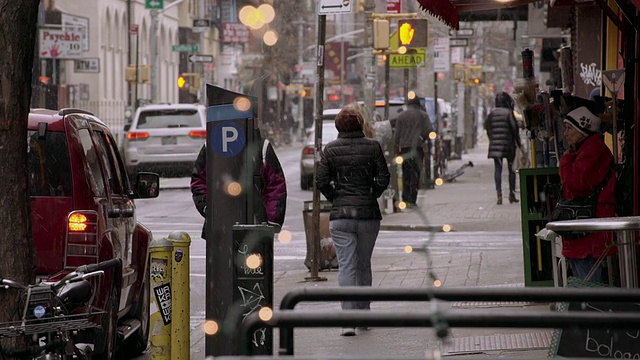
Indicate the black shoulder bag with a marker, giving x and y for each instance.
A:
(578, 208)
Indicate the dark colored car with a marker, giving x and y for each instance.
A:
(82, 212)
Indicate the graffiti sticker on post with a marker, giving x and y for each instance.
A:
(163, 299)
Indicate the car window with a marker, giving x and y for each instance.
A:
(49, 164)
(113, 171)
(173, 118)
(92, 163)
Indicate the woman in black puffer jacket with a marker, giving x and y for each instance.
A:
(503, 138)
(352, 174)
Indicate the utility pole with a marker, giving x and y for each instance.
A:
(153, 49)
(369, 58)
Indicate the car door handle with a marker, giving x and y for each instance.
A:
(126, 212)
(114, 213)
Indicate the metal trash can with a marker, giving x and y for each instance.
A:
(327, 250)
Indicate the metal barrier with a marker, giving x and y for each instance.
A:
(624, 227)
(502, 319)
(292, 298)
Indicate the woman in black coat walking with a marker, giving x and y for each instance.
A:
(352, 174)
(504, 137)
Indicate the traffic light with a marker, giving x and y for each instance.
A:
(413, 33)
(189, 82)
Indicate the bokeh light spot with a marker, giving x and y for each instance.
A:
(211, 327)
(402, 205)
(268, 12)
(270, 38)
(284, 236)
(242, 103)
(399, 160)
(234, 189)
(437, 283)
(439, 181)
(433, 135)
(253, 261)
(402, 50)
(265, 314)
(408, 249)
(411, 94)
(446, 228)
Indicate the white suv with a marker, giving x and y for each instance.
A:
(165, 138)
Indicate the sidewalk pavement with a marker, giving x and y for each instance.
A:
(467, 205)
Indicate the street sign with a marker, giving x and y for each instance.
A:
(334, 7)
(394, 6)
(464, 32)
(235, 33)
(154, 4)
(201, 23)
(186, 48)
(201, 58)
(134, 29)
(408, 61)
(461, 42)
(441, 54)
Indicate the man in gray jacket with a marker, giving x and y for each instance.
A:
(412, 129)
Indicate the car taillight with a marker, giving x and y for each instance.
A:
(137, 135)
(81, 242)
(78, 222)
(308, 150)
(198, 133)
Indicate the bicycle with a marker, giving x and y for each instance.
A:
(440, 158)
(54, 315)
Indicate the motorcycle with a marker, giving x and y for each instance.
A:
(54, 314)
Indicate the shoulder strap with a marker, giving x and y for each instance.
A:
(265, 145)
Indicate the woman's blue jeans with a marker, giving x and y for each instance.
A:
(580, 268)
(354, 241)
(497, 162)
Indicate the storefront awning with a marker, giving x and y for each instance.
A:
(447, 10)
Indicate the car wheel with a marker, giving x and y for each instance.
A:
(138, 342)
(305, 182)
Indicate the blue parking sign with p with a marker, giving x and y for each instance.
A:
(228, 139)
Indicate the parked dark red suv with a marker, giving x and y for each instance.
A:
(82, 212)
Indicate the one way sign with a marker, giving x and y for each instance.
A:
(197, 58)
(334, 6)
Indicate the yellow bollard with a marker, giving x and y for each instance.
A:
(169, 308)
(180, 294)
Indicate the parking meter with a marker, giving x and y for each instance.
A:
(234, 164)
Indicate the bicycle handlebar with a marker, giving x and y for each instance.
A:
(105, 265)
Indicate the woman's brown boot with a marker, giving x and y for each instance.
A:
(499, 199)
(512, 198)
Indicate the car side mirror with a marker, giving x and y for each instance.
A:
(147, 186)
(127, 127)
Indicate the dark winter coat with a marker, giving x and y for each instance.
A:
(581, 171)
(352, 174)
(412, 128)
(502, 130)
(273, 192)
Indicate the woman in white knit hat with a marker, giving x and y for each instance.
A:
(583, 170)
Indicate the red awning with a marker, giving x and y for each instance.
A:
(447, 10)
(443, 10)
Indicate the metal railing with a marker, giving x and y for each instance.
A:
(292, 298)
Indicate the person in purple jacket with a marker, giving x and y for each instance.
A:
(273, 191)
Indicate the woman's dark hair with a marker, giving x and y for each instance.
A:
(503, 100)
(349, 119)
